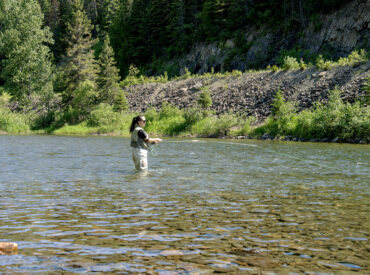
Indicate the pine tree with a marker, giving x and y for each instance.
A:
(79, 69)
(176, 27)
(109, 10)
(157, 22)
(108, 76)
(139, 51)
(119, 36)
(120, 102)
(26, 68)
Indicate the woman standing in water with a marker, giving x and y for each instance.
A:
(139, 141)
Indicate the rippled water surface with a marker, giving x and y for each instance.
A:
(75, 205)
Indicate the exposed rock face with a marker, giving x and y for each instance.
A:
(252, 93)
(346, 29)
(342, 32)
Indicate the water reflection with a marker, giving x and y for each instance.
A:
(77, 205)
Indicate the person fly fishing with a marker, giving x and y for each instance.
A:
(140, 142)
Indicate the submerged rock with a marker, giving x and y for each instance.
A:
(8, 248)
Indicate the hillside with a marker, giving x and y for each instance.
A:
(252, 92)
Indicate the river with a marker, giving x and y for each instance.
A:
(76, 205)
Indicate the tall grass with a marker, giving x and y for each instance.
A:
(12, 122)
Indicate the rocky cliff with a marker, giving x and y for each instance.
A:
(335, 34)
(252, 93)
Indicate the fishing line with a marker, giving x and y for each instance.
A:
(151, 149)
(256, 146)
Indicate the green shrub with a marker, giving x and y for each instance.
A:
(133, 78)
(12, 122)
(304, 125)
(339, 119)
(303, 66)
(120, 102)
(283, 118)
(275, 68)
(224, 123)
(151, 115)
(290, 63)
(167, 110)
(168, 120)
(323, 64)
(43, 121)
(353, 58)
(4, 99)
(102, 115)
(204, 99)
(245, 128)
(186, 75)
(204, 127)
(193, 115)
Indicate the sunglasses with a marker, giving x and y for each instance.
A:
(143, 120)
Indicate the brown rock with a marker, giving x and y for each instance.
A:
(6, 248)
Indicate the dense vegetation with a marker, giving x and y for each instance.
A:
(63, 64)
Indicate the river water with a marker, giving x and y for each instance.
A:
(76, 205)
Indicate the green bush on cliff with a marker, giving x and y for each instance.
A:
(290, 63)
(355, 57)
(205, 99)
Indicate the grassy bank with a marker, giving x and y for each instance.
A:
(333, 120)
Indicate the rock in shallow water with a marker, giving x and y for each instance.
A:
(7, 248)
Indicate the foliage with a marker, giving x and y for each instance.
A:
(353, 58)
(204, 99)
(193, 115)
(26, 67)
(78, 74)
(134, 78)
(323, 64)
(334, 119)
(12, 122)
(108, 77)
(168, 120)
(120, 102)
(290, 63)
(339, 119)
(103, 114)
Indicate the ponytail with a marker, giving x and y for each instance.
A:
(135, 120)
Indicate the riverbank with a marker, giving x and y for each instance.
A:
(332, 121)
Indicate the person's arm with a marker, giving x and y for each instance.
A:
(142, 134)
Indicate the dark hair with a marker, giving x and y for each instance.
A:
(135, 120)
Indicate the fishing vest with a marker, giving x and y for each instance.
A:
(137, 142)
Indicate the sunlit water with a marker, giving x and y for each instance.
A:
(76, 205)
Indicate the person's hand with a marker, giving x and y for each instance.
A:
(155, 140)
